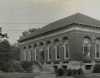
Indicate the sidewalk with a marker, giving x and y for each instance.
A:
(45, 75)
(49, 75)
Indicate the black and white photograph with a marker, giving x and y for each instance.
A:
(49, 38)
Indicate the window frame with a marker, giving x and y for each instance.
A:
(50, 46)
(97, 42)
(60, 45)
(66, 43)
(88, 45)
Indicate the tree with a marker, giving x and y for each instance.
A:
(8, 57)
(15, 52)
(5, 50)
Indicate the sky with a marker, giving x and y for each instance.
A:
(17, 16)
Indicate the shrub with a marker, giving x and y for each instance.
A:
(80, 71)
(11, 66)
(96, 68)
(55, 68)
(60, 72)
(74, 72)
(69, 72)
(27, 66)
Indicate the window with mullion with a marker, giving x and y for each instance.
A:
(86, 47)
(32, 55)
(97, 49)
(60, 51)
(37, 54)
(66, 50)
(29, 55)
(51, 52)
(58, 47)
(44, 54)
(25, 56)
(86, 50)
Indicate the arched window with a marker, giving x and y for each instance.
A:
(56, 40)
(37, 54)
(60, 51)
(52, 51)
(24, 55)
(30, 46)
(65, 39)
(48, 42)
(35, 51)
(29, 55)
(97, 49)
(86, 46)
(41, 43)
(24, 47)
(32, 55)
(66, 49)
(35, 45)
(43, 55)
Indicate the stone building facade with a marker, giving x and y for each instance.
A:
(74, 38)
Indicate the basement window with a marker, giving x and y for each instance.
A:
(24, 47)
(29, 46)
(88, 67)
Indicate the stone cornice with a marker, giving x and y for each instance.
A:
(78, 27)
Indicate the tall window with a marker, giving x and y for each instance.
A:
(86, 47)
(32, 55)
(66, 47)
(24, 55)
(97, 49)
(67, 50)
(42, 55)
(37, 54)
(35, 51)
(51, 52)
(29, 54)
(28, 57)
(60, 51)
(48, 53)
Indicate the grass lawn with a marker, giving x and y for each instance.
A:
(32, 75)
(17, 75)
(89, 76)
(96, 75)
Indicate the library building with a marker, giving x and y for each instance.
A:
(72, 42)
